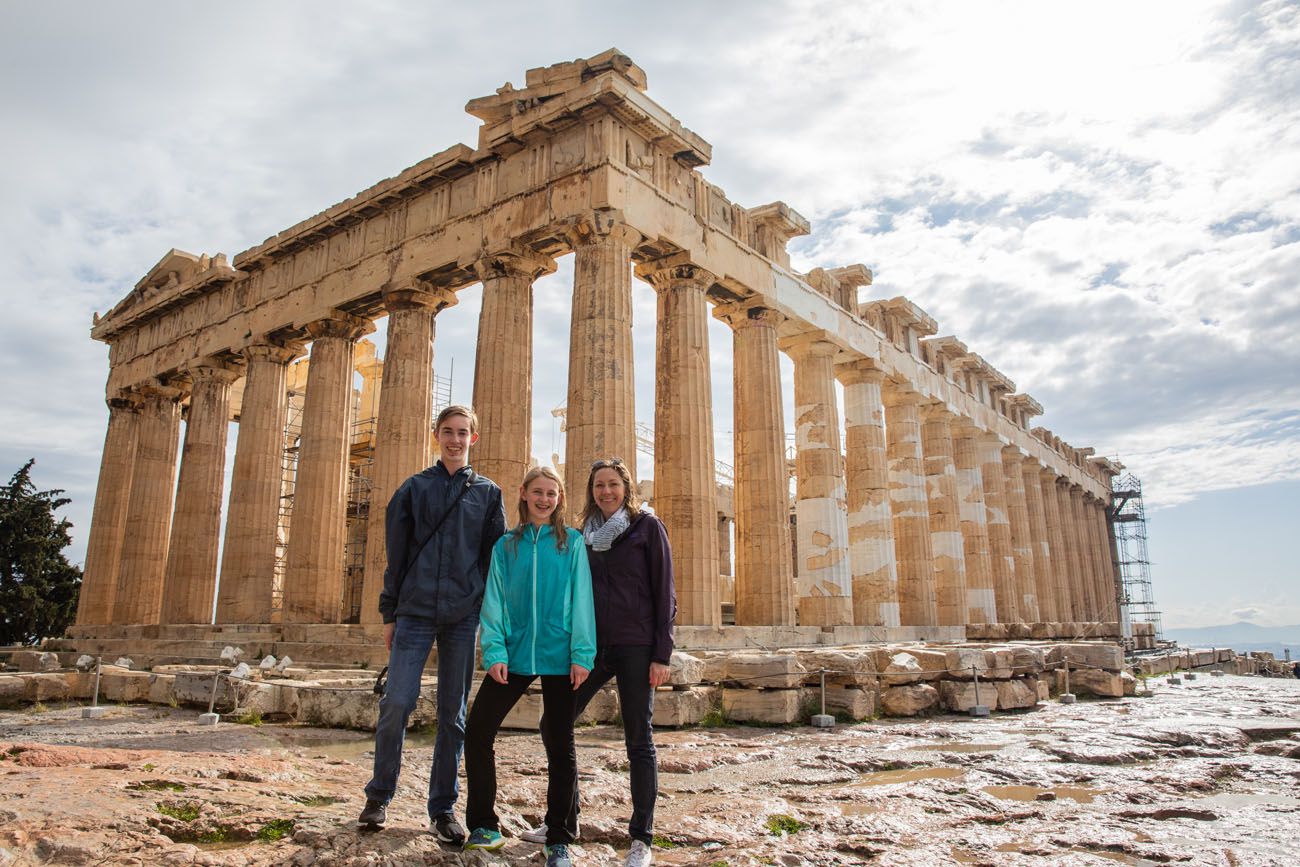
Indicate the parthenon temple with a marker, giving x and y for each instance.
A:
(932, 508)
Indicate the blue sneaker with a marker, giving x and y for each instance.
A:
(557, 855)
(485, 838)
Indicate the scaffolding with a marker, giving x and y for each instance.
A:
(1129, 537)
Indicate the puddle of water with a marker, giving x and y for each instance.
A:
(1078, 794)
(352, 749)
(961, 856)
(959, 748)
(850, 808)
(1118, 857)
(1238, 800)
(909, 775)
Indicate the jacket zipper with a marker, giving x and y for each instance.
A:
(537, 532)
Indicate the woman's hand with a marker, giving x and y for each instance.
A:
(577, 674)
(658, 674)
(498, 672)
(389, 629)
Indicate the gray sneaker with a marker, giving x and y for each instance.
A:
(639, 855)
(538, 834)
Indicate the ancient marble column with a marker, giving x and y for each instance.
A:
(1086, 586)
(1102, 590)
(1060, 551)
(823, 579)
(248, 557)
(404, 425)
(1070, 544)
(503, 367)
(149, 508)
(686, 488)
(908, 508)
(1022, 543)
(724, 545)
(601, 419)
(313, 582)
(108, 521)
(1108, 588)
(1043, 581)
(764, 573)
(1001, 556)
(945, 515)
(981, 596)
(191, 578)
(871, 530)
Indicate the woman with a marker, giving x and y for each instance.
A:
(537, 621)
(632, 583)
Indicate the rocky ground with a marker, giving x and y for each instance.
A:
(1207, 772)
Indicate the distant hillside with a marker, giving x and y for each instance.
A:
(1242, 636)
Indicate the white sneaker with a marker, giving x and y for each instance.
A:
(639, 855)
(538, 834)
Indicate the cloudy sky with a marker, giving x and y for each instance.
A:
(1101, 199)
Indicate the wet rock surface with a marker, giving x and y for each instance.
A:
(1202, 773)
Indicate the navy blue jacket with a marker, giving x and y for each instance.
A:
(632, 582)
(445, 584)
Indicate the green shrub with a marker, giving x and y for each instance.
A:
(782, 824)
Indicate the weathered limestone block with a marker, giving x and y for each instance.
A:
(1044, 689)
(963, 662)
(1017, 693)
(1224, 654)
(603, 708)
(1026, 660)
(195, 688)
(122, 685)
(715, 666)
(265, 698)
(685, 670)
(13, 690)
(1106, 656)
(960, 696)
(526, 714)
(844, 666)
(1090, 681)
(1129, 682)
(765, 670)
(50, 686)
(34, 660)
(762, 705)
(162, 688)
(924, 665)
(909, 700)
(843, 701)
(684, 707)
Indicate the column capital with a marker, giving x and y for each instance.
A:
(210, 369)
(937, 410)
(1013, 455)
(964, 427)
(859, 370)
(895, 393)
(807, 344)
(748, 314)
(1048, 474)
(156, 391)
(674, 271)
(600, 226)
(512, 262)
(339, 324)
(263, 348)
(124, 402)
(423, 296)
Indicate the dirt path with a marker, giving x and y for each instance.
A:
(1203, 773)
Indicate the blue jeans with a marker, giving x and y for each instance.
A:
(413, 638)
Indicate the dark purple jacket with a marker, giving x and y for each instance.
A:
(632, 584)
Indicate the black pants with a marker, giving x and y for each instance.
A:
(493, 702)
(631, 665)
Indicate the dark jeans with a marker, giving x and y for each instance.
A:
(493, 702)
(412, 640)
(631, 665)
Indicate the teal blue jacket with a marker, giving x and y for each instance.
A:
(538, 616)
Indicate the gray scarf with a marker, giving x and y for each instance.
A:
(600, 532)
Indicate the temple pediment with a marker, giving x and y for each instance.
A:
(178, 275)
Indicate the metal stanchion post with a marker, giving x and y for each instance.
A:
(210, 718)
(1191, 665)
(95, 711)
(1067, 697)
(977, 709)
(823, 720)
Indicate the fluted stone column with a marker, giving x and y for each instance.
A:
(764, 572)
(1060, 551)
(823, 578)
(1070, 543)
(981, 596)
(686, 488)
(1100, 565)
(601, 419)
(191, 578)
(108, 521)
(1022, 543)
(1108, 587)
(1043, 581)
(248, 556)
(908, 507)
(503, 367)
(1087, 577)
(871, 530)
(313, 582)
(149, 508)
(1001, 557)
(402, 433)
(945, 515)
(724, 545)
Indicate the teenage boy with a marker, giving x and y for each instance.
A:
(441, 526)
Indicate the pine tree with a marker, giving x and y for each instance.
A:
(38, 586)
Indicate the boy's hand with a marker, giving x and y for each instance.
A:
(577, 674)
(389, 629)
(658, 674)
(498, 672)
